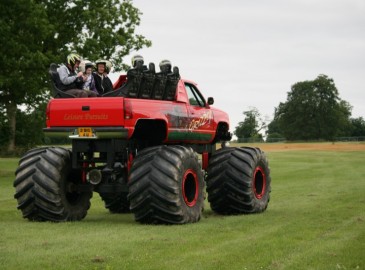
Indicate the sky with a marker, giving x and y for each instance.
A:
(248, 53)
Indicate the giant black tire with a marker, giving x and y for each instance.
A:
(43, 186)
(166, 185)
(238, 181)
(116, 203)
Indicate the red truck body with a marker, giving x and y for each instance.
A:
(117, 117)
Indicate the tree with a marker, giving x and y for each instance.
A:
(23, 27)
(4, 127)
(35, 33)
(358, 127)
(251, 126)
(31, 122)
(273, 132)
(313, 110)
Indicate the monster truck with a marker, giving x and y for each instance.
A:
(150, 152)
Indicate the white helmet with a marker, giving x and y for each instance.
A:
(137, 58)
(108, 65)
(86, 64)
(165, 66)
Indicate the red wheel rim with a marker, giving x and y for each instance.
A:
(259, 182)
(190, 188)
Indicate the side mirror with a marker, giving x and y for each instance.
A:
(210, 101)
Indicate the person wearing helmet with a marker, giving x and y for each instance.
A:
(136, 60)
(165, 66)
(71, 82)
(89, 84)
(102, 82)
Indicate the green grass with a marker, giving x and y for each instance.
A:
(315, 220)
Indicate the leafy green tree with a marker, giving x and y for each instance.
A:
(251, 126)
(23, 26)
(95, 29)
(273, 132)
(4, 127)
(344, 119)
(31, 122)
(313, 110)
(273, 127)
(357, 127)
(34, 33)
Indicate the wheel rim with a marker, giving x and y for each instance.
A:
(259, 182)
(190, 188)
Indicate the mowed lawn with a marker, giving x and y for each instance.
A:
(315, 220)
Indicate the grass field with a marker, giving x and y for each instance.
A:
(315, 220)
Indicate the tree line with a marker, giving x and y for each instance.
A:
(313, 111)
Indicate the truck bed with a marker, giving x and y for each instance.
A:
(93, 112)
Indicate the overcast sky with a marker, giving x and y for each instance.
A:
(248, 53)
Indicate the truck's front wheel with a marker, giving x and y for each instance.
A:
(166, 186)
(45, 186)
(238, 181)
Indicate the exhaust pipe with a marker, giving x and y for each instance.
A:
(94, 176)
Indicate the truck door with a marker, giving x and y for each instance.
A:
(200, 124)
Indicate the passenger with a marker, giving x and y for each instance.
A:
(137, 60)
(102, 82)
(165, 67)
(71, 82)
(89, 84)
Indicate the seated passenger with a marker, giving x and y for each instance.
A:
(161, 79)
(134, 77)
(71, 82)
(102, 82)
(137, 63)
(165, 67)
(89, 84)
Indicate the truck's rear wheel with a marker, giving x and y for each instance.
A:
(238, 181)
(116, 203)
(44, 186)
(166, 186)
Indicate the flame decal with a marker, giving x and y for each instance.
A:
(204, 119)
